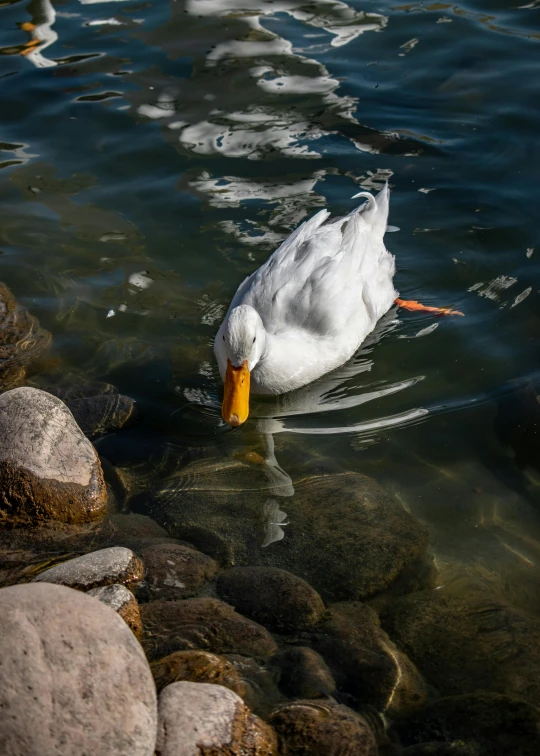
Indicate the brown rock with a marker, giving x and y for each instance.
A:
(48, 469)
(273, 597)
(124, 603)
(202, 623)
(197, 719)
(197, 666)
(365, 661)
(304, 673)
(316, 728)
(173, 571)
(97, 415)
(482, 723)
(468, 645)
(104, 567)
(347, 537)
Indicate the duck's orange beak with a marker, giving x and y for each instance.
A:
(235, 407)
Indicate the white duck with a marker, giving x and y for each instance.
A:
(308, 308)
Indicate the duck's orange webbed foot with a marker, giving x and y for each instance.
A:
(414, 306)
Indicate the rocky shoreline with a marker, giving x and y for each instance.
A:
(146, 620)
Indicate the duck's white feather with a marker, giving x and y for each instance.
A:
(318, 295)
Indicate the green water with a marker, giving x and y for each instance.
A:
(153, 154)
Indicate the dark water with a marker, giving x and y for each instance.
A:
(153, 155)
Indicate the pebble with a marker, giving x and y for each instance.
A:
(275, 598)
(304, 673)
(198, 719)
(48, 468)
(104, 567)
(73, 678)
(197, 666)
(124, 603)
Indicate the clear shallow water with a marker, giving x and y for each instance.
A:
(154, 154)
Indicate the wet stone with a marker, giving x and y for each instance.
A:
(48, 469)
(22, 340)
(483, 723)
(275, 598)
(197, 666)
(104, 567)
(344, 535)
(79, 389)
(202, 623)
(98, 415)
(468, 645)
(366, 663)
(73, 677)
(316, 728)
(260, 680)
(197, 719)
(304, 673)
(173, 571)
(124, 603)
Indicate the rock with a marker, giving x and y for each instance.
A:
(483, 723)
(468, 645)
(202, 623)
(124, 603)
(197, 719)
(260, 679)
(97, 415)
(103, 567)
(366, 663)
(173, 571)
(48, 469)
(197, 666)
(316, 728)
(345, 536)
(275, 598)
(304, 673)
(73, 678)
(22, 340)
(79, 389)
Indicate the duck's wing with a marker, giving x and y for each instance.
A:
(326, 275)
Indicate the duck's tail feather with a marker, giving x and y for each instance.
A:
(376, 209)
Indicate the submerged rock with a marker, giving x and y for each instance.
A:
(316, 728)
(48, 469)
(275, 598)
(197, 666)
(173, 571)
(124, 603)
(345, 536)
(483, 723)
(202, 623)
(22, 340)
(366, 663)
(468, 645)
(304, 673)
(97, 415)
(73, 678)
(197, 719)
(104, 567)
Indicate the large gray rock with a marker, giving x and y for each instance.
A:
(345, 535)
(196, 719)
(104, 567)
(73, 678)
(48, 469)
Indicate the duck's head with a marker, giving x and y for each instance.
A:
(243, 341)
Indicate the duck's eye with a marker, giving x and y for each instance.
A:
(254, 339)
(223, 337)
